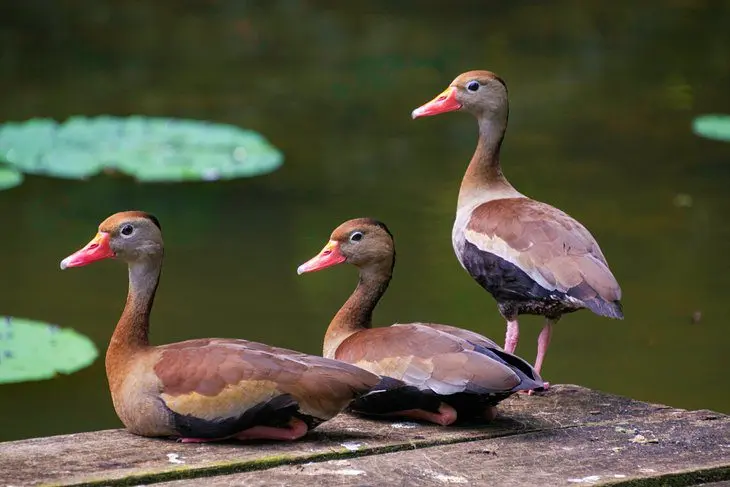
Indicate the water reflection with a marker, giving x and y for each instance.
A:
(602, 98)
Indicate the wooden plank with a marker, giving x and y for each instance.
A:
(115, 457)
(669, 448)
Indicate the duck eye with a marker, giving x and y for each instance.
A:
(356, 237)
(472, 85)
(127, 230)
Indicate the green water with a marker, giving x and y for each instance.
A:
(602, 101)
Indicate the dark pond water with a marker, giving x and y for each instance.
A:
(603, 95)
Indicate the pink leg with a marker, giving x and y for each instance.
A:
(512, 336)
(296, 429)
(543, 342)
(444, 417)
(490, 413)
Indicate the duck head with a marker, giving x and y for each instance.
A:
(362, 242)
(481, 93)
(130, 236)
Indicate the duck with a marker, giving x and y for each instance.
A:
(208, 389)
(530, 256)
(429, 372)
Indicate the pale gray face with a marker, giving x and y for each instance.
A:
(129, 236)
(482, 95)
(364, 244)
(133, 238)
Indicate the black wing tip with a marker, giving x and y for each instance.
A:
(391, 395)
(530, 384)
(609, 309)
(530, 379)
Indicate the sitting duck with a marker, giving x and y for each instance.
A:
(207, 389)
(430, 372)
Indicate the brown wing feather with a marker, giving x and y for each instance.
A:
(550, 246)
(217, 378)
(467, 335)
(426, 358)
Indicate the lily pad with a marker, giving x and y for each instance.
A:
(149, 149)
(716, 127)
(9, 177)
(31, 350)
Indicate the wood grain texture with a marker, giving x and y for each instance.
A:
(688, 450)
(568, 432)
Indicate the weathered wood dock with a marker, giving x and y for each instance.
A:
(568, 436)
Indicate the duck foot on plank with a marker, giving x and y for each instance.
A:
(533, 391)
(296, 429)
(445, 415)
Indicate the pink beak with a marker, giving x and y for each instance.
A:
(329, 256)
(95, 250)
(445, 102)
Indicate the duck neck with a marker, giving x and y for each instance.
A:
(484, 174)
(132, 332)
(357, 312)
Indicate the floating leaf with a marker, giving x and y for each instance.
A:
(9, 177)
(716, 127)
(149, 149)
(31, 350)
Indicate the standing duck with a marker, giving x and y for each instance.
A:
(530, 256)
(429, 372)
(208, 389)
